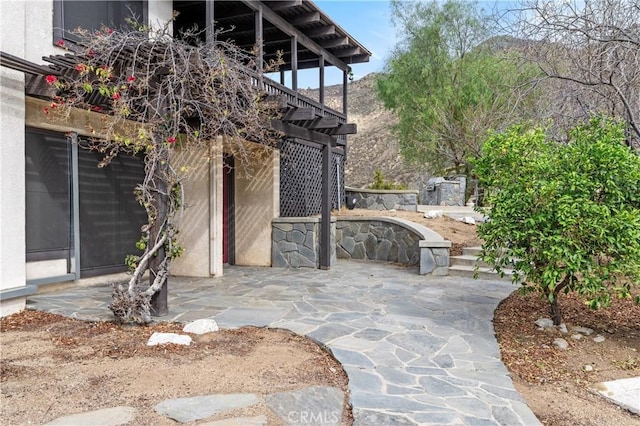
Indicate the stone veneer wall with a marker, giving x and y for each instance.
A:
(377, 240)
(295, 242)
(378, 199)
(392, 240)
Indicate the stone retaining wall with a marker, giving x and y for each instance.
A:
(392, 240)
(377, 199)
(295, 242)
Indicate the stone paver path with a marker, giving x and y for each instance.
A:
(417, 349)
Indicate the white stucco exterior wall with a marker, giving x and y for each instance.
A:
(257, 202)
(12, 167)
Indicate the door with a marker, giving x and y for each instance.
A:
(228, 211)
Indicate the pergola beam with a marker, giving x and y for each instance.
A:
(322, 31)
(281, 5)
(289, 29)
(306, 18)
(299, 114)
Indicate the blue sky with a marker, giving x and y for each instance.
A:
(369, 22)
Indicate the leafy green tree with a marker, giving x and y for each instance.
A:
(564, 216)
(448, 81)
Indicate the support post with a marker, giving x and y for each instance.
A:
(294, 66)
(321, 96)
(75, 205)
(259, 43)
(159, 303)
(325, 221)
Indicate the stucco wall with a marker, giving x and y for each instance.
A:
(257, 202)
(194, 220)
(12, 166)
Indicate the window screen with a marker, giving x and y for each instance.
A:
(92, 15)
(48, 195)
(110, 216)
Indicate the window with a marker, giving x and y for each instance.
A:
(48, 197)
(91, 15)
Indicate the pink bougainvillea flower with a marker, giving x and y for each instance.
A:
(131, 79)
(171, 139)
(60, 43)
(96, 108)
(109, 30)
(51, 79)
(116, 96)
(45, 110)
(81, 68)
(91, 53)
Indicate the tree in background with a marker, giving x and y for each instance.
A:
(591, 50)
(448, 81)
(564, 216)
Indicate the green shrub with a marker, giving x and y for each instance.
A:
(379, 182)
(565, 216)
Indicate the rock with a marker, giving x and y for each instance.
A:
(164, 338)
(195, 408)
(432, 214)
(106, 417)
(582, 330)
(201, 326)
(563, 328)
(544, 323)
(561, 344)
(468, 220)
(312, 405)
(239, 421)
(588, 367)
(576, 336)
(599, 338)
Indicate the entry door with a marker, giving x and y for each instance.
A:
(228, 212)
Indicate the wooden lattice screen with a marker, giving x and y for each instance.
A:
(301, 179)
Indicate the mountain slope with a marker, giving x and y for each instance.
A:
(374, 147)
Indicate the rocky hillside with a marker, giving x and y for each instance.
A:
(373, 147)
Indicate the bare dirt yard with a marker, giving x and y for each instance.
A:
(52, 366)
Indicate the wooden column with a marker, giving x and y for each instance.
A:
(259, 42)
(321, 70)
(294, 65)
(210, 21)
(325, 221)
(345, 82)
(159, 300)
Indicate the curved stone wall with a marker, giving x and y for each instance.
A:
(295, 242)
(392, 240)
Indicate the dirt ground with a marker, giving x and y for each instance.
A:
(51, 366)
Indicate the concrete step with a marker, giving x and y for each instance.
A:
(466, 260)
(471, 251)
(483, 272)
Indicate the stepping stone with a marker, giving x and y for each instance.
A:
(186, 410)
(239, 421)
(201, 326)
(164, 338)
(312, 405)
(106, 417)
(624, 392)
